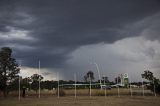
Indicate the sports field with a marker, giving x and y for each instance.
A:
(83, 101)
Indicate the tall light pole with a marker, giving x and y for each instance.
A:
(58, 84)
(154, 87)
(142, 87)
(75, 85)
(105, 84)
(90, 85)
(19, 82)
(19, 97)
(39, 81)
(98, 73)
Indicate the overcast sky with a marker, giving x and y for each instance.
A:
(68, 36)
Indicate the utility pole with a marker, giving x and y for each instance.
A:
(75, 85)
(98, 73)
(142, 87)
(39, 81)
(90, 86)
(58, 84)
(154, 87)
(19, 93)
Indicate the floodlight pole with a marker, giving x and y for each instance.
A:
(105, 85)
(90, 85)
(98, 73)
(39, 81)
(75, 85)
(142, 87)
(131, 87)
(154, 88)
(58, 84)
(19, 91)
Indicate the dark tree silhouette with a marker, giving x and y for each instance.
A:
(105, 78)
(8, 69)
(154, 82)
(35, 81)
(148, 75)
(89, 76)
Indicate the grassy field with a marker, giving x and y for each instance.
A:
(48, 98)
(83, 101)
(85, 92)
(113, 92)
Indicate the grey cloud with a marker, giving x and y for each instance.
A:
(152, 31)
(62, 26)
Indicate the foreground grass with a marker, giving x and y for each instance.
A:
(82, 101)
(48, 98)
(112, 92)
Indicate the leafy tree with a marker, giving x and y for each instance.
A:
(148, 75)
(35, 81)
(154, 82)
(105, 78)
(8, 69)
(25, 82)
(89, 76)
(14, 85)
(48, 84)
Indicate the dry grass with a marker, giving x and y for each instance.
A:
(113, 92)
(85, 92)
(83, 101)
(48, 98)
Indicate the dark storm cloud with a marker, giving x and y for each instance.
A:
(60, 26)
(82, 22)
